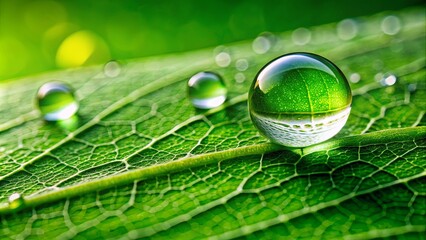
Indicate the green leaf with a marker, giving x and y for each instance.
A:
(144, 163)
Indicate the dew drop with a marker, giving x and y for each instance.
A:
(222, 56)
(261, 45)
(112, 69)
(412, 87)
(355, 77)
(347, 29)
(288, 100)
(301, 36)
(16, 201)
(240, 77)
(241, 64)
(391, 25)
(56, 101)
(388, 80)
(206, 90)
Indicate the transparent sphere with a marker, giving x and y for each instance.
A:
(299, 99)
(206, 90)
(56, 101)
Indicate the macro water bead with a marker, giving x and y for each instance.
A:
(206, 90)
(56, 101)
(299, 99)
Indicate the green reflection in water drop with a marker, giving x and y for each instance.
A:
(299, 99)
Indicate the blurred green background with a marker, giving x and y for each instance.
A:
(43, 35)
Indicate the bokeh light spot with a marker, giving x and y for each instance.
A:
(81, 48)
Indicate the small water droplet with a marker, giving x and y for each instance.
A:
(355, 77)
(347, 29)
(301, 36)
(391, 25)
(112, 69)
(388, 80)
(56, 101)
(223, 59)
(206, 90)
(241, 64)
(16, 201)
(240, 77)
(263, 43)
(378, 77)
(222, 56)
(412, 87)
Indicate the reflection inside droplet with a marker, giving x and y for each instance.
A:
(391, 25)
(69, 124)
(301, 36)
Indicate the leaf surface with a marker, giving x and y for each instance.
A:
(144, 163)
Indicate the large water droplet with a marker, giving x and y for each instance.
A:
(206, 90)
(299, 99)
(16, 201)
(391, 25)
(112, 69)
(56, 101)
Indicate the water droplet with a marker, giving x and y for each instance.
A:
(16, 201)
(347, 29)
(241, 64)
(301, 36)
(240, 77)
(112, 69)
(222, 56)
(263, 43)
(56, 101)
(388, 80)
(355, 77)
(378, 77)
(412, 87)
(391, 25)
(299, 99)
(206, 90)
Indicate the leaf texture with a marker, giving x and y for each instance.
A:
(144, 163)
